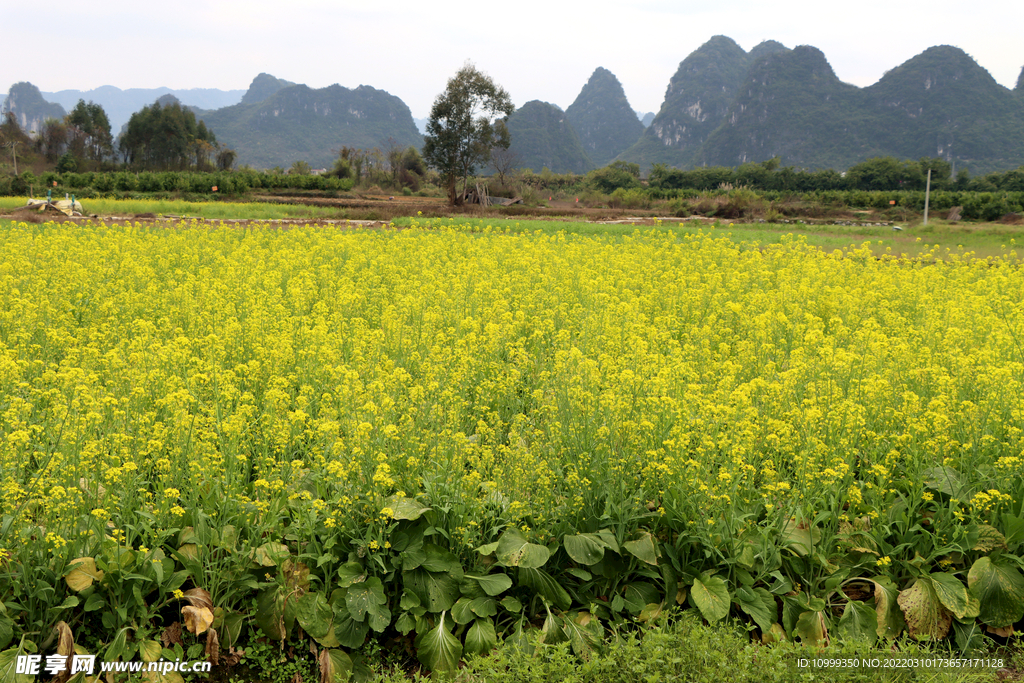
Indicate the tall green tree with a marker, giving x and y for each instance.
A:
(89, 132)
(461, 132)
(167, 137)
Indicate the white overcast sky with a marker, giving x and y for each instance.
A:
(536, 49)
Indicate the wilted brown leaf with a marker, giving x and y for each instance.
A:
(199, 597)
(66, 647)
(1005, 631)
(172, 635)
(213, 647)
(197, 619)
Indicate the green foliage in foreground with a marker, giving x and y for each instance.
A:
(683, 648)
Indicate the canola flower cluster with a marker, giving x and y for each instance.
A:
(302, 378)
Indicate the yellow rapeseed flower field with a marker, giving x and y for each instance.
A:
(295, 383)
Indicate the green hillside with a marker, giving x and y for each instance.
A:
(696, 101)
(794, 107)
(941, 103)
(298, 123)
(543, 137)
(603, 119)
(726, 107)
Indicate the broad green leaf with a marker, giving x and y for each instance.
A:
(755, 602)
(405, 508)
(226, 538)
(82, 574)
(409, 600)
(943, 479)
(437, 591)
(515, 551)
(405, 623)
(746, 557)
(6, 632)
(150, 650)
(859, 621)
(335, 666)
(586, 549)
(314, 615)
(810, 626)
(1013, 527)
(9, 665)
(437, 649)
(608, 538)
(544, 584)
(650, 612)
(270, 613)
(379, 617)
(438, 559)
(413, 558)
(711, 596)
(462, 612)
(484, 607)
(481, 638)
(520, 641)
(970, 638)
(951, 593)
(270, 554)
(999, 588)
(488, 548)
(973, 607)
(493, 584)
(644, 549)
(348, 632)
(551, 631)
(926, 616)
(511, 604)
(351, 573)
(118, 645)
(639, 594)
(776, 634)
(585, 633)
(802, 541)
(989, 539)
(365, 597)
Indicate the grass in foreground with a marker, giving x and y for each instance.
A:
(208, 210)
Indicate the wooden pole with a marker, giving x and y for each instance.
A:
(927, 193)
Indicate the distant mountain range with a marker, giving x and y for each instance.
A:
(727, 107)
(278, 123)
(723, 106)
(121, 104)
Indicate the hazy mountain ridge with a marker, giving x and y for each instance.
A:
(263, 87)
(29, 108)
(121, 104)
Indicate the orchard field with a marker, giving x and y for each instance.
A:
(442, 437)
